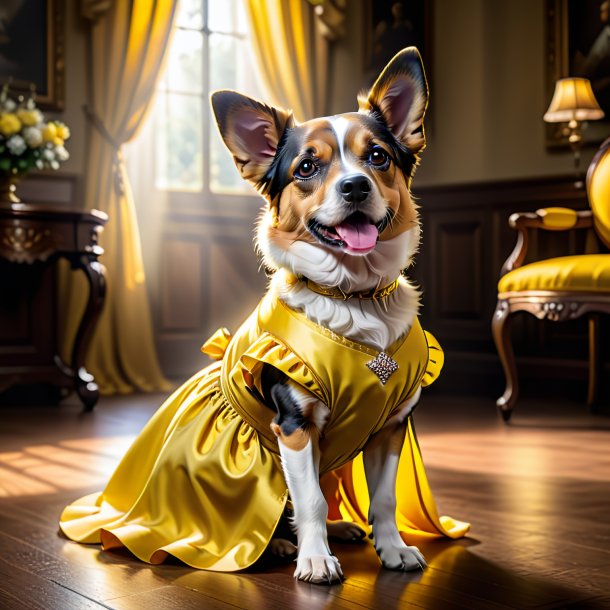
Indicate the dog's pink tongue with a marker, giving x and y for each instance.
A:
(358, 234)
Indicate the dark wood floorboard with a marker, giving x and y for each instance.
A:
(537, 493)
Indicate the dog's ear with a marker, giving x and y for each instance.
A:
(251, 131)
(400, 96)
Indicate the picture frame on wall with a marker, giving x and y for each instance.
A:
(392, 25)
(32, 49)
(578, 44)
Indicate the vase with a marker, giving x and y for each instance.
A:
(8, 186)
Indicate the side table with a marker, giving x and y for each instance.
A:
(32, 239)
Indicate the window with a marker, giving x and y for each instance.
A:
(209, 50)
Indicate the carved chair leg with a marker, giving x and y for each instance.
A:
(593, 358)
(500, 327)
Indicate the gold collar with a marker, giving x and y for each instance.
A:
(334, 292)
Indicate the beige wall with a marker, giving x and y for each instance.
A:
(487, 92)
(76, 87)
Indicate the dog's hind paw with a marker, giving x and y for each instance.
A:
(280, 547)
(319, 569)
(405, 558)
(345, 531)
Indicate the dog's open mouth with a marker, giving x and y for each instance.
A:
(357, 234)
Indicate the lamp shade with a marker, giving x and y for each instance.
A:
(573, 100)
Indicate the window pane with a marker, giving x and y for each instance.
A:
(231, 67)
(224, 176)
(184, 65)
(178, 142)
(227, 16)
(190, 14)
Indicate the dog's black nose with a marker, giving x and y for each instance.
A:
(354, 188)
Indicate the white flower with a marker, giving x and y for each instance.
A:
(16, 144)
(61, 153)
(39, 163)
(9, 105)
(48, 155)
(33, 136)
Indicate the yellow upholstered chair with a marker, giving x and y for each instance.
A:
(561, 288)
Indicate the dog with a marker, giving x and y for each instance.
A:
(309, 403)
(340, 218)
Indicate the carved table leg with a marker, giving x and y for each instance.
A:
(85, 383)
(500, 327)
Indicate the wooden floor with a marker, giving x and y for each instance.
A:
(537, 493)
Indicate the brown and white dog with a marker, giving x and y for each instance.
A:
(340, 213)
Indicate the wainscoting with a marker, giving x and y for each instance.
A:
(208, 277)
(466, 239)
(58, 189)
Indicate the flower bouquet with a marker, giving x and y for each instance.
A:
(27, 141)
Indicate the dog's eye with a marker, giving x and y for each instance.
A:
(379, 158)
(306, 169)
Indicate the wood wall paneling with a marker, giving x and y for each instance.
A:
(57, 188)
(181, 289)
(453, 269)
(212, 278)
(459, 250)
(208, 276)
(238, 282)
(465, 240)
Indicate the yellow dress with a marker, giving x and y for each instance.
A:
(203, 480)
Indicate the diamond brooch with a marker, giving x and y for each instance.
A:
(383, 366)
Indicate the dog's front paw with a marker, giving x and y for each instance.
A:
(401, 557)
(318, 569)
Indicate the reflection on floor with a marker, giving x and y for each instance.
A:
(536, 492)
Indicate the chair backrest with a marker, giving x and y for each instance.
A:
(598, 191)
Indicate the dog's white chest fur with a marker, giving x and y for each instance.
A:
(377, 323)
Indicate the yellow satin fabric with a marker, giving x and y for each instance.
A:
(559, 219)
(309, 354)
(587, 272)
(417, 517)
(184, 485)
(203, 481)
(598, 191)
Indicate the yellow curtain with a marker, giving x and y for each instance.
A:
(292, 41)
(128, 43)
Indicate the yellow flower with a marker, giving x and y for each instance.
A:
(9, 123)
(29, 117)
(57, 141)
(63, 131)
(49, 132)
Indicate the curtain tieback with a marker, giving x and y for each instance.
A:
(119, 168)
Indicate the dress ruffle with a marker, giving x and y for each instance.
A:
(270, 350)
(436, 359)
(196, 484)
